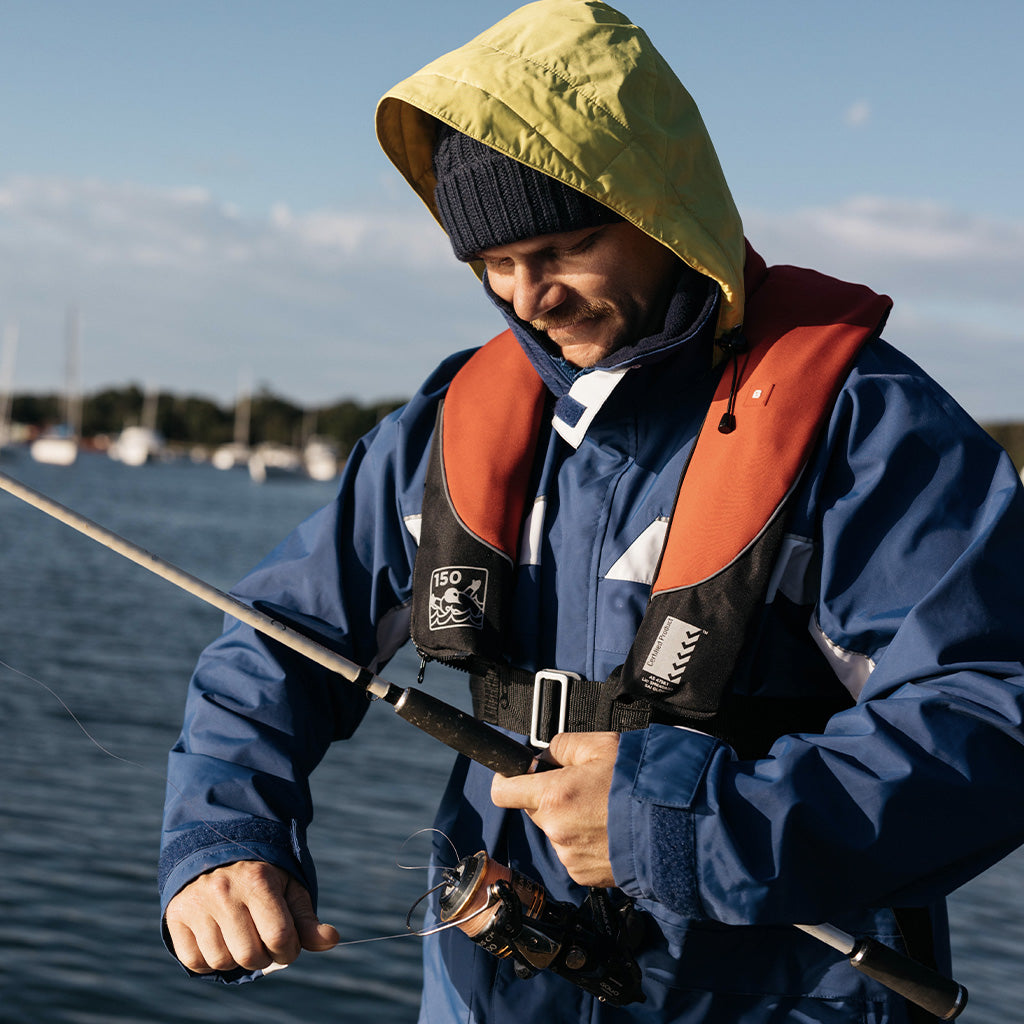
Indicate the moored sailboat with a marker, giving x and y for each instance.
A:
(237, 451)
(140, 443)
(58, 446)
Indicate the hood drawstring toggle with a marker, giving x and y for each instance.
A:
(734, 344)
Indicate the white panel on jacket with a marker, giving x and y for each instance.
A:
(414, 524)
(533, 533)
(639, 562)
(852, 669)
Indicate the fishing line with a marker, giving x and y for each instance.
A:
(74, 718)
(413, 934)
(427, 867)
(409, 933)
(125, 760)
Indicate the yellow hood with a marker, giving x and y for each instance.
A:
(573, 89)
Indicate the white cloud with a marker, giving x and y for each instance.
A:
(858, 114)
(925, 248)
(180, 290)
(115, 223)
(955, 279)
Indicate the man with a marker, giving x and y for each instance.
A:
(792, 681)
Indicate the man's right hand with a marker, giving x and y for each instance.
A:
(247, 914)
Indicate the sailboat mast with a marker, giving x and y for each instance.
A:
(72, 393)
(10, 348)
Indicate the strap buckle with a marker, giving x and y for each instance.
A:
(549, 675)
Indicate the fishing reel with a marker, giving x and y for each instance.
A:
(511, 915)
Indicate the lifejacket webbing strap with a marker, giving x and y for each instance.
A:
(504, 696)
(523, 701)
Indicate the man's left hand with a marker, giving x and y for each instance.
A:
(570, 804)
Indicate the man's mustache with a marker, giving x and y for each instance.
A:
(578, 314)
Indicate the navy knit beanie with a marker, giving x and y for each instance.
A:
(486, 199)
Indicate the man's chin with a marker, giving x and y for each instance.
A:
(583, 355)
(582, 348)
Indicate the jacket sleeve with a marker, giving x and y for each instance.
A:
(918, 519)
(259, 718)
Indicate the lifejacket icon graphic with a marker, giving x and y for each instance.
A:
(458, 596)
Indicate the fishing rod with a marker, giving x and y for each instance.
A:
(941, 996)
(456, 729)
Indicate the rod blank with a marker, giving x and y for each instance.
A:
(197, 588)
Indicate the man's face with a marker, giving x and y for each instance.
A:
(591, 291)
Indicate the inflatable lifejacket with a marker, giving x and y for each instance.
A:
(802, 332)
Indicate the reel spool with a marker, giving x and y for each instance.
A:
(510, 915)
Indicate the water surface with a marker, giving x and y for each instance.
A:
(79, 828)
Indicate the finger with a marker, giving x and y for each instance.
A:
(195, 935)
(186, 949)
(285, 922)
(226, 945)
(311, 933)
(240, 937)
(521, 792)
(589, 868)
(273, 925)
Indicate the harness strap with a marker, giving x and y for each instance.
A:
(541, 704)
(530, 703)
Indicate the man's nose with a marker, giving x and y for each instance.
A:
(537, 292)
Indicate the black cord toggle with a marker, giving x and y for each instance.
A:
(733, 344)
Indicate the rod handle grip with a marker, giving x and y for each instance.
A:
(939, 995)
(462, 732)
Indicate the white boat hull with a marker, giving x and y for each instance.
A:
(54, 451)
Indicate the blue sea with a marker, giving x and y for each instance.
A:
(94, 644)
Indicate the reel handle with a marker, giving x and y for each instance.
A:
(941, 996)
(462, 732)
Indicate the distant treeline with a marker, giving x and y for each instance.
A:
(191, 420)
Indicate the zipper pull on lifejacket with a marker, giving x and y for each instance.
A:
(732, 344)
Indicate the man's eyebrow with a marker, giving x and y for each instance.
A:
(552, 249)
(599, 229)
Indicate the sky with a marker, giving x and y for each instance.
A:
(200, 181)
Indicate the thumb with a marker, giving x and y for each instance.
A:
(569, 748)
(313, 935)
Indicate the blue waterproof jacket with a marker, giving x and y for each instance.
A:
(899, 569)
(900, 574)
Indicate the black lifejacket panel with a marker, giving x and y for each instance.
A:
(803, 331)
